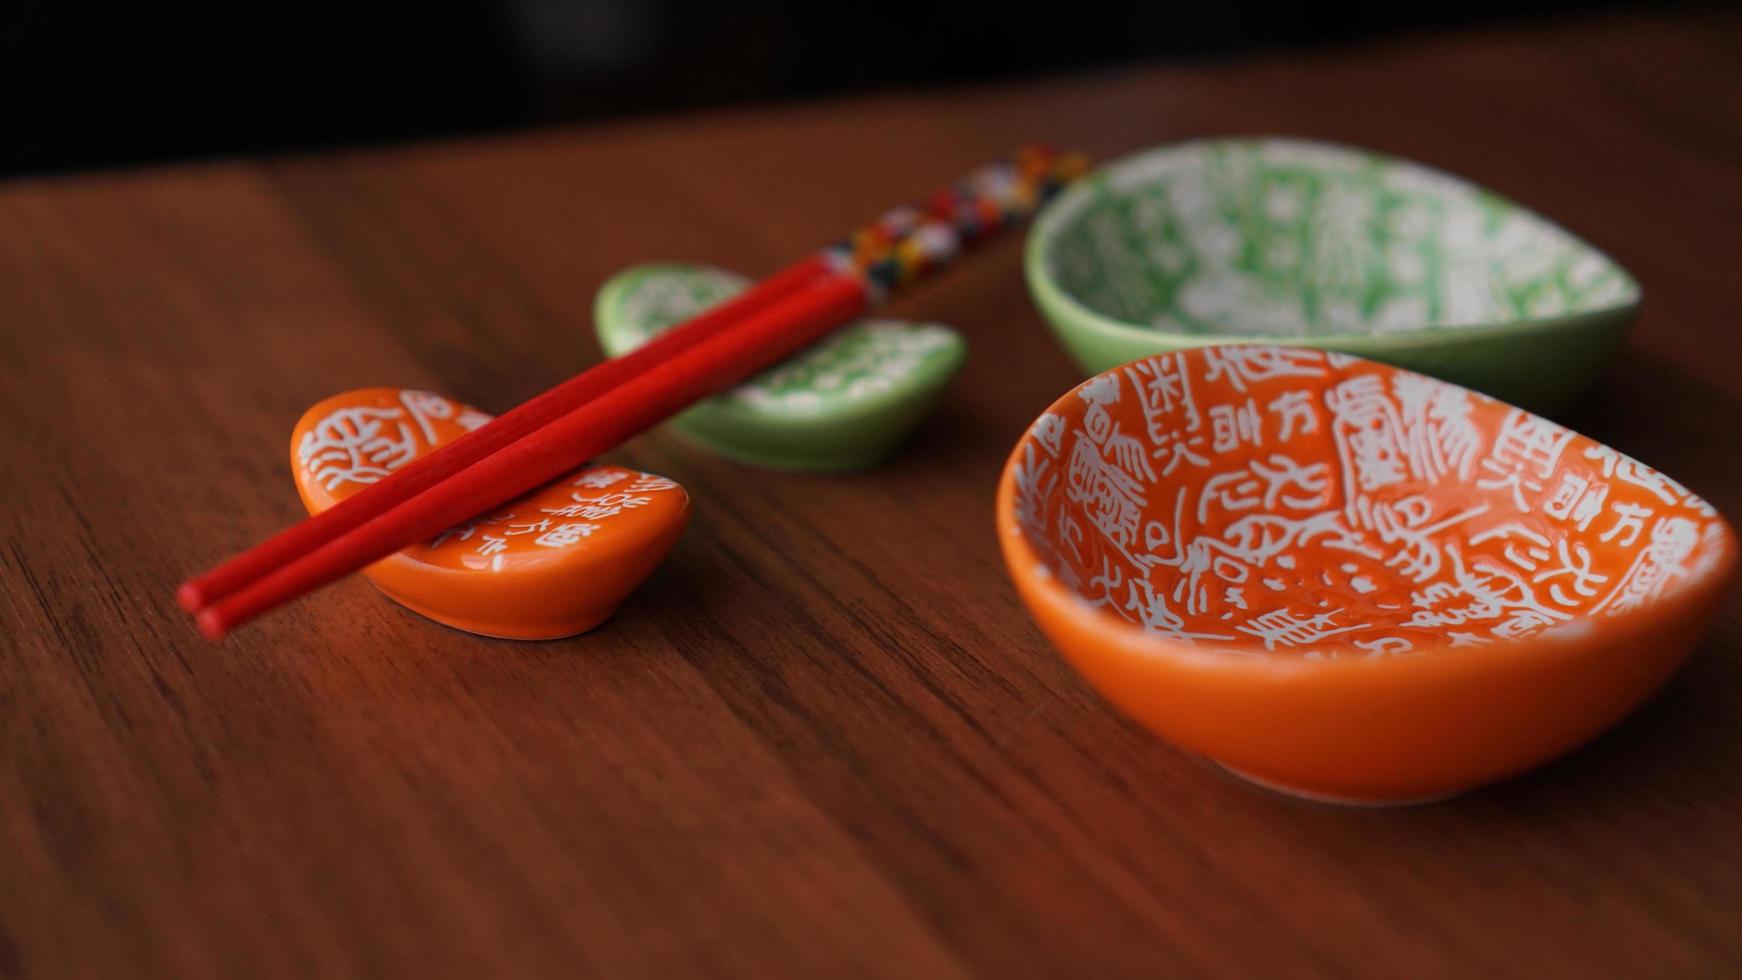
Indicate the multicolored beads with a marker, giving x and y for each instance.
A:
(909, 242)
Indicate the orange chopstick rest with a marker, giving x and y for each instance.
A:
(554, 562)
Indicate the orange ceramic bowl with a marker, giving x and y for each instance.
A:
(1349, 581)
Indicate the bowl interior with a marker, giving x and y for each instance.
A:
(1287, 238)
(1277, 501)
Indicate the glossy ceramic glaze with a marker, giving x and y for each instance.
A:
(1348, 580)
(1289, 241)
(844, 403)
(552, 563)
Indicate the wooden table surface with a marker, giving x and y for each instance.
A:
(824, 738)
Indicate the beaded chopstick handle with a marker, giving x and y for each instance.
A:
(908, 243)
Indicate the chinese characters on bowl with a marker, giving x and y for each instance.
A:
(552, 563)
(1350, 580)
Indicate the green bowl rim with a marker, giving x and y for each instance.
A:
(1059, 303)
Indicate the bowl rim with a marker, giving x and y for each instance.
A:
(1062, 304)
(1035, 582)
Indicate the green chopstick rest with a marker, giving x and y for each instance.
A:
(1286, 241)
(844, 403)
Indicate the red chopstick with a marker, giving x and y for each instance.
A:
(594, 411)
(431, 470)
(758, 340)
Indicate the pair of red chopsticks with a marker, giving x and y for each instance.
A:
(614, 400)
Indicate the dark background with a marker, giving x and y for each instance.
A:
(99, 83)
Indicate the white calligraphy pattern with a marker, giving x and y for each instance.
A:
(1278, 501)
(372, 433)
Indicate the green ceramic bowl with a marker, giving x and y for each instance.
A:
(1312, 244)
(844, 403)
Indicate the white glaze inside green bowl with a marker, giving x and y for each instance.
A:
(1287, 238)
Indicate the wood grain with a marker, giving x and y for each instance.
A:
(825, 739)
